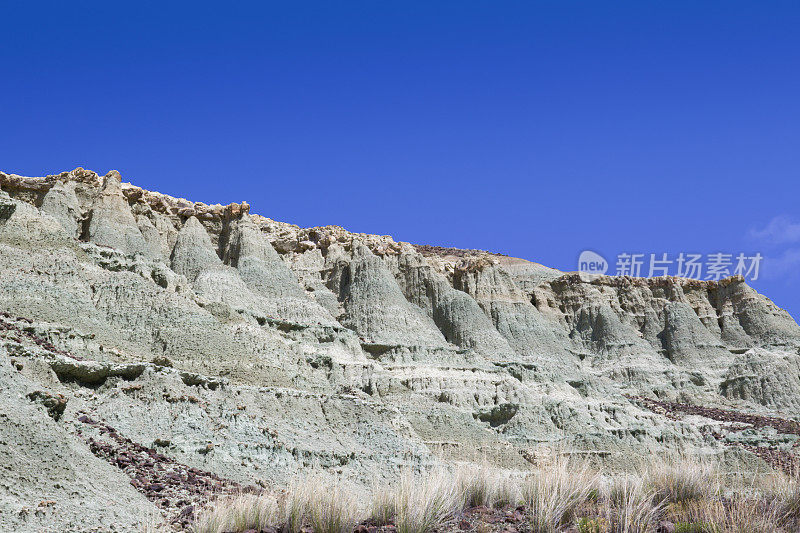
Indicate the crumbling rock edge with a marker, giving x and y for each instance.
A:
(253, 349)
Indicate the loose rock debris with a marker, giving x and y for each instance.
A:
(175, 488)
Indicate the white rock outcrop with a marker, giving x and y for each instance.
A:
(251, 349)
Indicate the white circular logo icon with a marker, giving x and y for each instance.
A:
(591, 265)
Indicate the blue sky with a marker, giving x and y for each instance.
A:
(535, 129)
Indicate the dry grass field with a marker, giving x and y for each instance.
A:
(680, 495)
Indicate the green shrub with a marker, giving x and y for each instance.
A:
(691, 527)
(592, 525)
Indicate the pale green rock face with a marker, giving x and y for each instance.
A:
(285, 348)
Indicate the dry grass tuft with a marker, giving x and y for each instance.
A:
(629, 507)
(292, 504)
(332, 509)
(782, 493)
(477, 485)
(508, 490)
(326, 507)
(559, 494)
(486, 485)
(382, 508)
(555, 491)
(422, 503)
(681, 479)
(239, 513)
(724, 516)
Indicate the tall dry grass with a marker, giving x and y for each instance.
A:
(239, 513)
(333, 509)
(485, 485)
(477, 485)
(782, 493)
(555, 490)
(682, 478)
(559, 494)
(382, 506)
(629, 506)
(737, 515)
(326, 506)
(293, 504)
(422, 502)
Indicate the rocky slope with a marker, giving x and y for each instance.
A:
(223, 344)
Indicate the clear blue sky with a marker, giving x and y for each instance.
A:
(535, 129)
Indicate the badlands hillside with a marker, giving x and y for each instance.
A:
(154, 351)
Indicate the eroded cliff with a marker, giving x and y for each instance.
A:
(250, 349)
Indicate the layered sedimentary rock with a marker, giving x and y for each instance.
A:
(375, 307)
(61, 203)
(50, 477)
(458, 316)
(111, 222)
(251, 348)
(251, 253)
(770, 378)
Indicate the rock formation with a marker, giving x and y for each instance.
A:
(236, 349)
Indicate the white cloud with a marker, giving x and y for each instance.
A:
(785, 266)
(780, 230)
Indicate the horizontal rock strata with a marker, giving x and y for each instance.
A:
(249, 349)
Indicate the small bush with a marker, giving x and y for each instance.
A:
(592, 525)
(691, 527)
